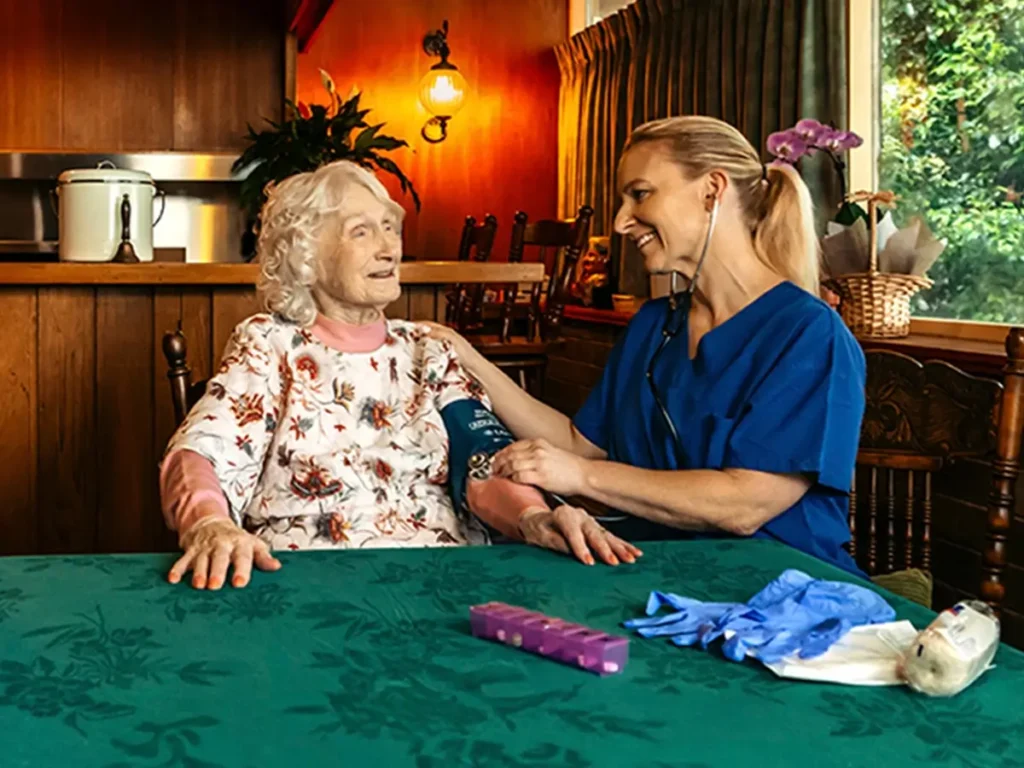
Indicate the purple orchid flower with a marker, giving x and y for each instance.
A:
(838, 142)
(787, 146)
(809, 130)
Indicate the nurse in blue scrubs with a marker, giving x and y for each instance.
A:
(732, 408)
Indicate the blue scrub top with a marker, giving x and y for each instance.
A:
(778, 387)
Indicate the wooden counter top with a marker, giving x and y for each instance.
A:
(157, 273)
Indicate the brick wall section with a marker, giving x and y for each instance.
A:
(960, 491)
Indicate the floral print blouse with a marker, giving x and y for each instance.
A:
(317, 448)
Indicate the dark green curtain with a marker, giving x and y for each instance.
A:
(760, 65)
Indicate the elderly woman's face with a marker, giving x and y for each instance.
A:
(361, 255)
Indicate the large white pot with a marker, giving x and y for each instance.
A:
(91, 202)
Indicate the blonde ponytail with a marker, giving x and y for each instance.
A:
(784, 237)
(777, 205)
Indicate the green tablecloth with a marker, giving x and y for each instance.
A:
(365, 658)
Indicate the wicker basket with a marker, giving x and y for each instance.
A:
(876, 305)
(873, 304)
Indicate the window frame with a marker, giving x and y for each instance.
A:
(863, 75)
(581, 15)
(863, 28)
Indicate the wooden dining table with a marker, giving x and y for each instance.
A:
(366, 658)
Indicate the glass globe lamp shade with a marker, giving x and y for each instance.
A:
(443, 90)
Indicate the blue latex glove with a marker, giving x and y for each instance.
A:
(793, 614)
(684, 624)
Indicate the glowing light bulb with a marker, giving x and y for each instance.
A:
(443, 91)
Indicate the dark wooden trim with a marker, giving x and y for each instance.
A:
(591, 315)
(304, 20)
(987, 358)
(159, 273)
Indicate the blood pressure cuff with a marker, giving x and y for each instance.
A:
(472, 428)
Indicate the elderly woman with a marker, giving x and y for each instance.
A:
(323, 427)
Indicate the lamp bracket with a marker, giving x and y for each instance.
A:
(436, 43)
(438, 122)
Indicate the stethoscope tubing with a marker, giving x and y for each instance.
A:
(668, 333)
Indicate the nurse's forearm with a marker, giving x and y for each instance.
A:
(739, 501)
(525, 416)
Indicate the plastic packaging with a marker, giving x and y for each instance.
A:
(953, 651)
(867, 655)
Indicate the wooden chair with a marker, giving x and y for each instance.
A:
(464, 309)
(560, 245)
(184, 393)
(921, 418)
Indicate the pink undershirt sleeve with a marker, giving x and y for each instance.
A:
(189, 490)
(500, 502)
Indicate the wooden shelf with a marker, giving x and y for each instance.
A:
(157, 273)
(978, 356)
(592, 315)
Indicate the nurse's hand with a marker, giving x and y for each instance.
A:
(466, 352)
(213, 544)
(570, 529)
(538, 463)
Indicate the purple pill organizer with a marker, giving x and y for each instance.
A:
(571, 644)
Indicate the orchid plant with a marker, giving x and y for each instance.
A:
(808, 137)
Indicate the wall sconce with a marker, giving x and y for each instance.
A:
(443, 88)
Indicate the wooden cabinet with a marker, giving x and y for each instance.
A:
(83, 382)
(113, 75)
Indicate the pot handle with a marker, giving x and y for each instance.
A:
(163, 205)
(106, 164)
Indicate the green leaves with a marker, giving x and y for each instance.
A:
(299, 144)
(201, 673)
(953, 146)
(173, 739)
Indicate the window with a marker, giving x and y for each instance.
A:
(951, 145)
(600, 9)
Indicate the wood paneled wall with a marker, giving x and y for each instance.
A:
(87, 408)
(110, 75)
(960, 491)
(500, 154)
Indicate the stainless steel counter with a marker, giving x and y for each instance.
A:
(202, 216)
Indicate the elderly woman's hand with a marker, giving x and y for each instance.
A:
(214, 543)
(570, 529)
(537, 462)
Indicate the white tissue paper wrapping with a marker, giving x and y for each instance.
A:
(909, 251)
(866, 655)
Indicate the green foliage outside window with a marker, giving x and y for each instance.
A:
(953, 146)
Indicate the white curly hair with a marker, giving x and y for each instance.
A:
(292, 224)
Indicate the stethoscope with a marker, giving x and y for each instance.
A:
(677, 313)
(678, 309)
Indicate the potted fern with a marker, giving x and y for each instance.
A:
(312, 135)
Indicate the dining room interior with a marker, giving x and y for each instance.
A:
(138, 140)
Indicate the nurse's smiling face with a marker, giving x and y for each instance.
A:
(662, 211)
